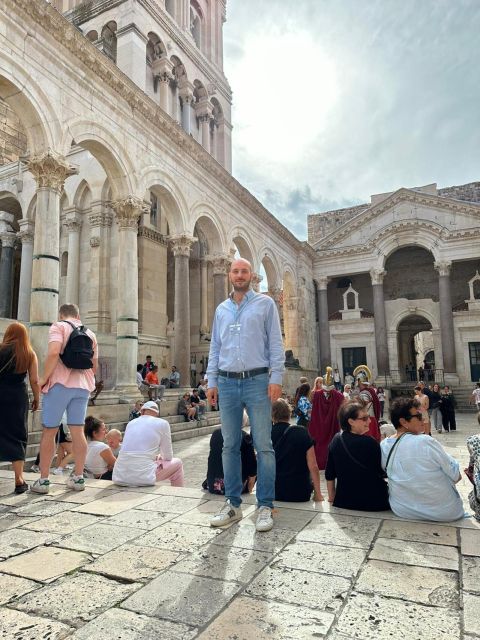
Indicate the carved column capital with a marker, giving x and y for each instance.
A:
(443, 267)
(181, 244)
(220, 264)
(256, 280)
(275, 293)
(8, 239)
(27, 230)
(73, 222)
(322, 282)
(128, 211)
(50, 170)
(377, 275)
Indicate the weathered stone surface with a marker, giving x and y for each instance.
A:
(83, 497)
(15, 541)
(340, 530)
(245, 536)
(12, 587)
(471, 613)
(45, 563)
(98, 538)
(177, 537)
(224, 563)
(11, 520)
(113, 504)
(309, 556)
(470, 572)
(182, 598)
(20, 626)
(470, 542)
(63, 523)
(292, 519)
(146, 520)
(202, 514)
(120, 624)
(416, 553)
(41, 507)
(248, 618)
(418, 584)
(419, 532)
(130, 562)
(368, 617)
(300, 587)
(171, 504)
(60, 600)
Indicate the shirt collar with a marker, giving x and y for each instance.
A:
(246, 298)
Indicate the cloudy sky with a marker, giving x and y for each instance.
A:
(335, 100)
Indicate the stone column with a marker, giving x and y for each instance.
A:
(323, 324)
(276, 294)
(50, 171)
(164, 84)
(97, 315)
(24, 290)
(205, 127)
(127, 213)
(380, 323)
(446, 319)
(73, 225)
(181, 246)
(256, 280)
(204, 328)
(131, 46)
(162, 72)
(186, 94)
(220, 278)
(6, 270)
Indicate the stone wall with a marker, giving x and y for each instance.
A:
(321, 224)
(13, 142)
(469, 192)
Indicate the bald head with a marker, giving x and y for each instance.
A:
(241, 276)
(241, 263)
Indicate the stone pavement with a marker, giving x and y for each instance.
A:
(112, 563)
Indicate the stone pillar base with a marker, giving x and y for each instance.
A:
(451, 379)
(128, 394)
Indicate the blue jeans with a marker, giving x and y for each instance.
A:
(252, 393)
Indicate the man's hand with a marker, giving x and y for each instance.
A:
(212, 395)
(274, 392)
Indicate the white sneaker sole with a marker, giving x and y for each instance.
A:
(221, 523)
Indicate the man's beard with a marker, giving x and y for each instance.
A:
(242, 287)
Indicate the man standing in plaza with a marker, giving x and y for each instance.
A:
(245, 370)
(68, 379)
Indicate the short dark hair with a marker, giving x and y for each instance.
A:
(69, 311)
(139, 367)
(418, 388)
(147, 357)
(349, 411)
(280, 411)
(400, 408)
(155, 367)
(92, 425)
(303, 390)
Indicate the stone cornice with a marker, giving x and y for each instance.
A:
(151, 234)
(68, 36)
(402, 195)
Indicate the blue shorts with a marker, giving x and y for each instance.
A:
(60, 399)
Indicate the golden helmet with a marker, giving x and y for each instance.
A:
(362, 371)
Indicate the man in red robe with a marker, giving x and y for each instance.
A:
(324, 422)
(369, 396)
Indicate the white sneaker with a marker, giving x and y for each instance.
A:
(40, 486)
(264, 519)
(58, 471)
(227, 514)
(77, 483)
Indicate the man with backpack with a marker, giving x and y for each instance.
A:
(68, 379)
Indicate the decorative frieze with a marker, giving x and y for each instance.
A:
(151, 234)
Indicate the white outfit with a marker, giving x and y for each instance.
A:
(94, 461)
(421, 479)
(476, 397)
(144, 438)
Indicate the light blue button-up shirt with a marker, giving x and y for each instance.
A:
(246, 336)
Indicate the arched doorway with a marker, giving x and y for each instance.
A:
(414, 335)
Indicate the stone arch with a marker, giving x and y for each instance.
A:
(155, 47)
(31, 208)
(109, 40)
(175, 206)
(421, 283)
(197, 23)
(245, 246)
(92, 35)
(102, 144)
(206, 219)
(10, 203)
(422, 233)
(82, 197)
(399, 317)
(272, 270)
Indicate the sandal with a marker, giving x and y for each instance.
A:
(21, 488)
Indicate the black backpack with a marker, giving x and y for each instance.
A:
(78, 352)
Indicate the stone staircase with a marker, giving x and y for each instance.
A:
(462, 395)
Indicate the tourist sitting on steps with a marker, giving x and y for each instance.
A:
(185, 408)
(100, 459)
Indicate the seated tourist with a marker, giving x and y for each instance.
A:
(100, 459)
(135, 412)
(140, 381)
(146, 455)
(354, 475)
(185, 408)
(214, 482)
(198, 404)
(114, 440)
(155, 389)
(421, 474)
(297, 471)
(473, 472)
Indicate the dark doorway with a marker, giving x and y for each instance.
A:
(352, 357)
(474, 352)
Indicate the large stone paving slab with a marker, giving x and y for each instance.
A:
(419, 532)
(341, 530)
(416, 553)
(171, 504)
(225, 563)
(244, 535)
(120, 624)
(16, 541)
(11, 520)
(15, 625)
(99, 538)
(45, 563)
(365, 617)
(63, 523)
(293, 519)
(130, 562)
(41, 507)
(176, 596)
(309, 556)
(83, 497)
(254, 619)
(202, 514)
(115, 503)
(12, 587)
(470, 542)
(147, 520)
(177, 537)
(300, 587)
(470, 573)
(418, 584)
(75, 599)
(471, 613)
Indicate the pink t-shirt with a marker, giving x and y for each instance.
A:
(70, 378)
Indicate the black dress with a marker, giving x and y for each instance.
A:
(292, 481)
(13, 408)
(355, 463)
(214, 482)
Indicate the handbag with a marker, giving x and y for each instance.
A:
(395, 444)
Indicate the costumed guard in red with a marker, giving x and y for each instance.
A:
(323, 423)
(369, 396)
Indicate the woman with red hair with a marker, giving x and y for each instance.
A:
(17, 359)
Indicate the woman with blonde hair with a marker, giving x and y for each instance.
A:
(317, 386)
(17, 359)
